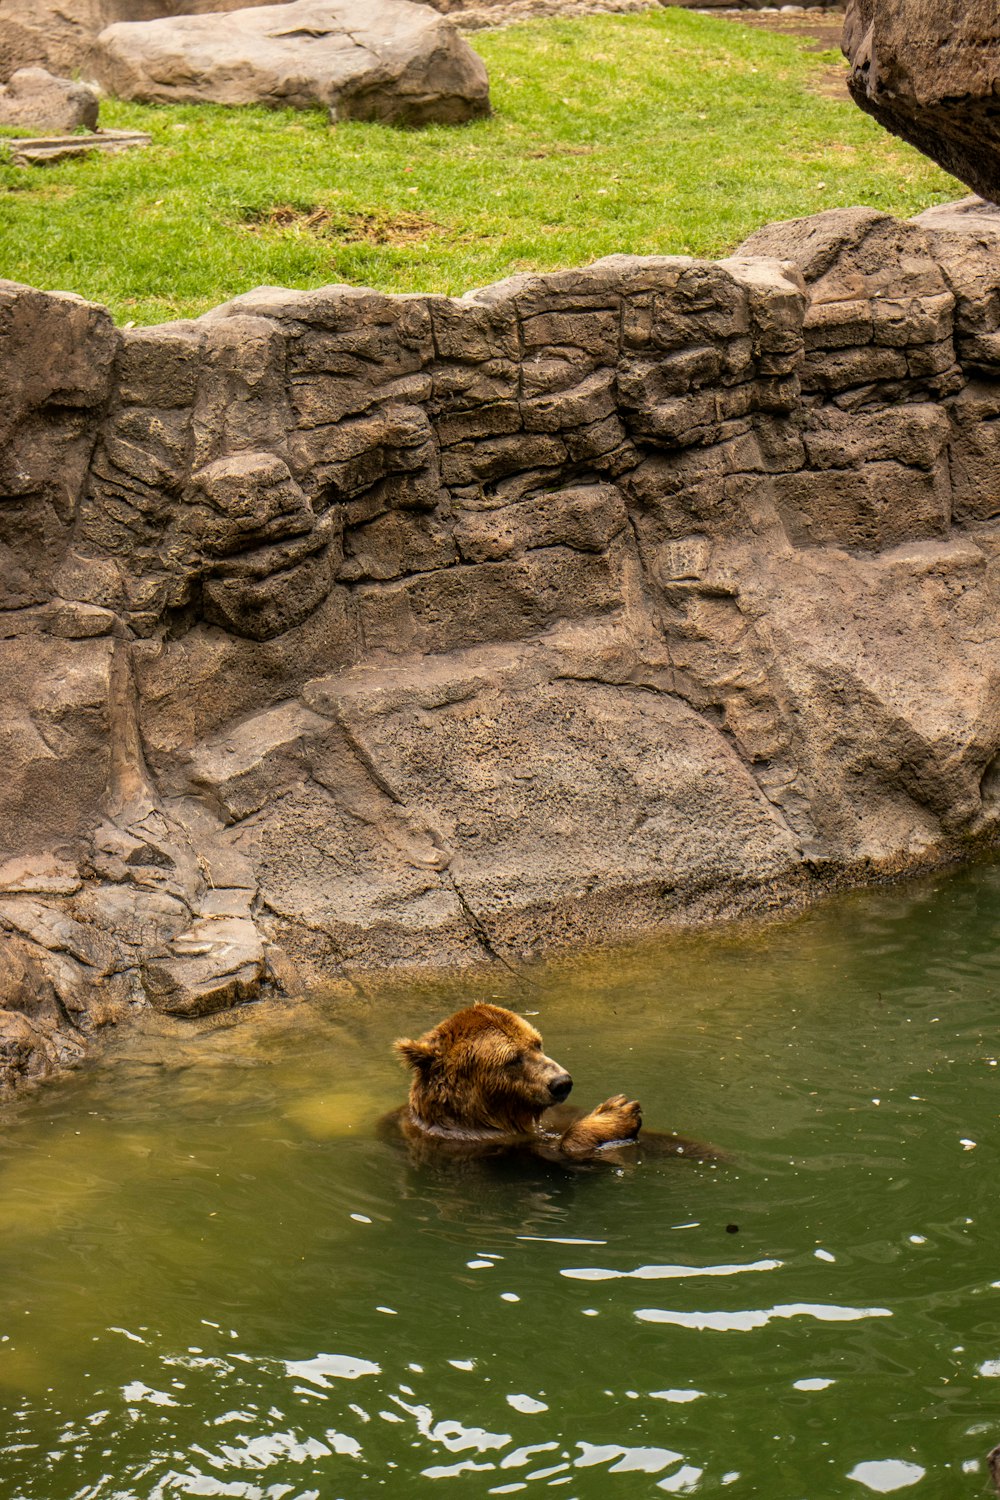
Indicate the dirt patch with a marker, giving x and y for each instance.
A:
(325, 223)
(821, 29)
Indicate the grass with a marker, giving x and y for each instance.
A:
(657, 133)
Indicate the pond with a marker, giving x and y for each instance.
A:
(216, 1280)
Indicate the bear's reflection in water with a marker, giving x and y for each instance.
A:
(521, 1159)
(499, 1189)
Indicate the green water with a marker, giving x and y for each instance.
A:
(216, 1280)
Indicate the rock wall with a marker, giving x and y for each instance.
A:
(341, 631)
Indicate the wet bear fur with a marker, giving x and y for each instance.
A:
(481, 1084)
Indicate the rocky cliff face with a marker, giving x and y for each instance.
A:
(341, 631)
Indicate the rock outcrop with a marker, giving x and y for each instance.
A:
(386, 60)
(929, 71)
(57, 34)
(341, 631)
(35, 99)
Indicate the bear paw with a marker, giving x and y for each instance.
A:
(616, 1120)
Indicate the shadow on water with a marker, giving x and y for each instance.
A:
(216, 1278)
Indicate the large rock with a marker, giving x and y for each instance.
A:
(342, 632)
(360, 59)
(57, 34)
(929, 71)
(37, 100)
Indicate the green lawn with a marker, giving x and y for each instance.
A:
(662, 132)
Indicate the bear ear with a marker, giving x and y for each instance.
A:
(417, 1055)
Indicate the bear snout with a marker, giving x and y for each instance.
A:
(560, 1086)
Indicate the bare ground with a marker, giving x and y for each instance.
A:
(821, 28)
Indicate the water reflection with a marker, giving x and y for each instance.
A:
(887, 1474)
(664, 1273)
(744, 1320)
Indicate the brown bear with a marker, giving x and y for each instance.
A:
(482, 1085)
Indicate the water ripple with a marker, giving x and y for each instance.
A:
(743, 1322)
(665, 1273)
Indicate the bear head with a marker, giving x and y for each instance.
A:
(482, 1069)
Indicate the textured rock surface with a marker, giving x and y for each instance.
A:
(29, 151)
(57, 34)
(341, 631)
(929, 70)
(361, 59)
(36, 99)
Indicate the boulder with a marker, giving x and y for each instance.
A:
(386, 60)
(216, 964)
(929, 71)
(37, 1035)
(57, 34)
(37, 100)
(25, 1056)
